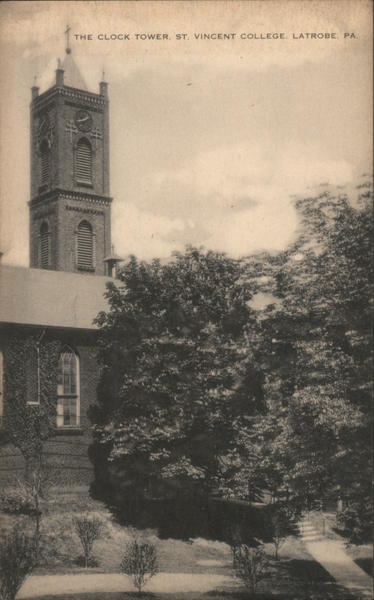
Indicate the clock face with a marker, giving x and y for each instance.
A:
(83, 120)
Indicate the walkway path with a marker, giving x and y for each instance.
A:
(332, 556)
(52, 585)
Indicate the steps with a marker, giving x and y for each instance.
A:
(331, 554)
(308, 532)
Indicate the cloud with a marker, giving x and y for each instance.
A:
(143, 234)
(240, 196)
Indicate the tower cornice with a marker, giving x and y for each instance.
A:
(57, 194)
(90, 98)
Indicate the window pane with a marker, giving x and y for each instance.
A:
(67, 376)
(67, 412)
(67, 390)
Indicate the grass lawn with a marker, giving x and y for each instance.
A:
(294, 576)
(323, 595)
(184, 596)
(362, 556)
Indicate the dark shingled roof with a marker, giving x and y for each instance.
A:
(50, 298)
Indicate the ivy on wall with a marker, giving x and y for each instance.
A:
(30, 384)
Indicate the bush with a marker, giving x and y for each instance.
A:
(281, 524)
(88, 529)
(140, 562)
(17, 560)
(15, 503)
(355, 522)
(249, 564)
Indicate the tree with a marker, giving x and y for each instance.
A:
(88, 529)
(30, 376)
(317, 340)
(30, 373)
(281, 526)
(178, 368)
(140, 562)
(249, 564)
(17, 560)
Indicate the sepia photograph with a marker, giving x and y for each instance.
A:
(186, 297)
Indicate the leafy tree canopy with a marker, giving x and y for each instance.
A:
(177, 349)
(314, 444)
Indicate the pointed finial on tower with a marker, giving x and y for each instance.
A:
(103, 85)
(59, 74)
(34, 89)
(67, 31)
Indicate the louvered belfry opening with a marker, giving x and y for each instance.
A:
(83, 162)
(44, 246)
(44, 163)
(85, 254)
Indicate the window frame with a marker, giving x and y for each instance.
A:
(61, 395)
(84, 182)
(44, 151)
(47, 233)
(92, 265)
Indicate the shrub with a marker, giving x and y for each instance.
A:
(13, 502)
(88, 529)
(281, 525)
(17, 559)
(249, 564)
(355, 522)
(140, 562)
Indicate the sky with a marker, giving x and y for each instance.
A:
(210, 139)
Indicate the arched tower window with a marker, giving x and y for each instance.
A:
(83, 162)
(45, 250)
(85, 246)
(44, 163)
(68, 404)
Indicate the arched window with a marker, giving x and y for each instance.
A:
(44, 246)
(44, 163)
(83, 162)
(68, 406)
(85, 246)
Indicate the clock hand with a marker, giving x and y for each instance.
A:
(82, 119)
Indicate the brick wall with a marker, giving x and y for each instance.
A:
(63, 201)
(67, 452)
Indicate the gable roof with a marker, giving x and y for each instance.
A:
(51, 298)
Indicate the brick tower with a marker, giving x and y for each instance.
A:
(70, 206)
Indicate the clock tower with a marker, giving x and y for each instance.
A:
(70, 205)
